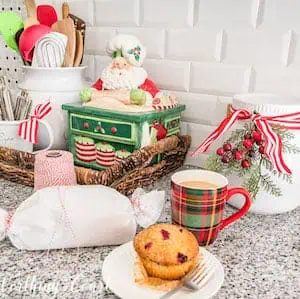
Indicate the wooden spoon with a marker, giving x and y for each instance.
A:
(80, 26)
(79, 49)
(66, 27)
(31, 14)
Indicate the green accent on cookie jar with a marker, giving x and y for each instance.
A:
(123, 131)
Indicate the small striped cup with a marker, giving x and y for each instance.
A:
(200, 210)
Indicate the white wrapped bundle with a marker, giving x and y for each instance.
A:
(78, 216)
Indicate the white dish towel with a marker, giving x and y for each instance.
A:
(50, 50)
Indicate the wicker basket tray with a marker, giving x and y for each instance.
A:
(125, 176)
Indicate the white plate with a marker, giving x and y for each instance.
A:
(118, 275)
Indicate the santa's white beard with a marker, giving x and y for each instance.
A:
(117, 79)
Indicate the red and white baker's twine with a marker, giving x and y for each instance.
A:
(273, 142)
(28, 129)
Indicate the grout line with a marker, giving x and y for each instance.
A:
(165, 43)
(288, 48)
(248, 80)
(141, 13)
(257, 13)
(220, 48)
(193, 5)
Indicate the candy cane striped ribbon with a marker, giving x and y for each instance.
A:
(28, 129)
(273, 142)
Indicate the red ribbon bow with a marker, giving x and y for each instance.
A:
(28, 129)
(273, 142)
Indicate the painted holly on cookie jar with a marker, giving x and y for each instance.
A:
(124, 109)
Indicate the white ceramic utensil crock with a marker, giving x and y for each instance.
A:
(9, 136)
(270, 105)
(61, 86)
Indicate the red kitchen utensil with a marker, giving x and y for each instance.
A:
(46, 14)
(29, 37)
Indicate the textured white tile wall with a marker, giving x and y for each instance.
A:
(205, 51)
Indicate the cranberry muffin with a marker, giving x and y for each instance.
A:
(167, 251)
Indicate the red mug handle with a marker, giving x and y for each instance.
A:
(240, 212)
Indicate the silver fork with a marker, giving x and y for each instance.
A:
(196, 279)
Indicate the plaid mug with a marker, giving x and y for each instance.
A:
(200, 210)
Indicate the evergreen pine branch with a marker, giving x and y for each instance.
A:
(283, 176)
(253, 179)
(290, 148)
(238, 135)
(213, 163)
(269, 186)
(284, 133)
(267, 164)
(252, 182)
(286, 137)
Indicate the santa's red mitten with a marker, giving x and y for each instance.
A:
(150, 86)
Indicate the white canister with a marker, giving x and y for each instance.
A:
(61, 86)
(270, 105)
(9, 136)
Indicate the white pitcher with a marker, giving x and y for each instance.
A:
(61, 86)
(270, 105)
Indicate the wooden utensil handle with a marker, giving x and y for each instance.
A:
(31, 8)
(65, 10)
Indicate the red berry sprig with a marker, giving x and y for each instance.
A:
(256, 136)
(246, 164)
(248, 143)
(227, 147)
(220, 151)
(238, 156)
(225, 159)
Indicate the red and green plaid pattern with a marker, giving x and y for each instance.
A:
(200, 211)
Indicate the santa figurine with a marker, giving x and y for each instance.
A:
(124, 83)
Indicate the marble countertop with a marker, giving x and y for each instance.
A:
(260, 254)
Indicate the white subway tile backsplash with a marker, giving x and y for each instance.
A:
(199, 160)
(167, 13)
(223, 14)
(116, 12)
(218, 78)
(96, 39)
(84, 9)
(169, 74)
(294, 49)
(222, 108)
(192, 44)
(204, 51)
(200, 108)
(199, 132)
(259, 47)
(152, 38)
(282, 15)
(89, 61)
(100, 63)
(277, 80)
